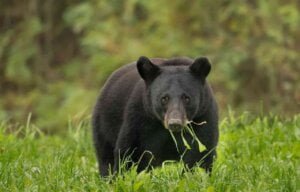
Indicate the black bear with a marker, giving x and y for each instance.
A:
(143, 101)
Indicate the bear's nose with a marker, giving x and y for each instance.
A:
(175, 124)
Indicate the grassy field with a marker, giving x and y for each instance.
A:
(255, 154)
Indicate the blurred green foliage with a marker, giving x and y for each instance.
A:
(54, 57)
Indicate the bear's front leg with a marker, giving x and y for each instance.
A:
(127, 153)
(208, 134)
(207, 159)
(123, 151)
(204, 159)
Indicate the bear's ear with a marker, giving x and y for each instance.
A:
(147, 70)
(201, 67)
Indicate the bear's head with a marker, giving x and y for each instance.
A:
(174, 92)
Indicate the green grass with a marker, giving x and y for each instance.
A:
(255, 154)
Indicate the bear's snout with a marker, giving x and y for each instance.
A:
(175, 120)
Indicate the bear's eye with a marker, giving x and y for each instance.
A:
(164, 100)
(186, 99)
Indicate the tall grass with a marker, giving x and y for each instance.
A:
(254, 154)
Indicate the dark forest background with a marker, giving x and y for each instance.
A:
(56, 55)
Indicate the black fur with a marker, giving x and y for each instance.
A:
(129, 117)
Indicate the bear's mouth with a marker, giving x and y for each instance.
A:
(175, 127)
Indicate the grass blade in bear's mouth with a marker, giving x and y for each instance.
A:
(192, 133)
(174, 139)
